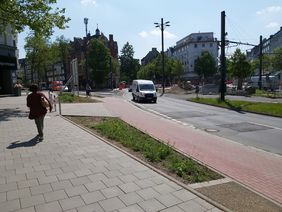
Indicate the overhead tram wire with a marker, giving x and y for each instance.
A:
(240, 33)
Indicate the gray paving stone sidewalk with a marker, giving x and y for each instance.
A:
(72, 170)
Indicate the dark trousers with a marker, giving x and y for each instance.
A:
(40, 124)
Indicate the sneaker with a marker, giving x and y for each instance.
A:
(40, 138)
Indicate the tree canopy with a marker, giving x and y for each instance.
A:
(98, 59)
(266, 64)
(153, 70)
(38, 15)
(239, 67)
(128, 65)
(205, 65)
(277, 59)
(37, 54)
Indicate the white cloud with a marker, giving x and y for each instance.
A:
(155, 32)
(144, 34)
(87, 2)
(167, 34)
(272, 25)
(269, 10)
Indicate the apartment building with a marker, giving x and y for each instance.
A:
(189, 48)
(268, 45)
(8, 60)
(80, 45)
(150, 56)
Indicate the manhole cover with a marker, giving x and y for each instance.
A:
(211, 130)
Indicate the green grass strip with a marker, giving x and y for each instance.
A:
(71, 98)
(154, 151)
(273, 109)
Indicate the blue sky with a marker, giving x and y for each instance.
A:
(133, 20)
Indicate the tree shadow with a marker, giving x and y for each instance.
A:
(232, 107)
(32, 142)
(8, 113)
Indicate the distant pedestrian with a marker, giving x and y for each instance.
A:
(88, 90)
(18, 85)
(197, 89)
(37, 111)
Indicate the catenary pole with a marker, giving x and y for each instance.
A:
(222, 58)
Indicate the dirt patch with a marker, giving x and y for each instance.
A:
(238, 198)
(177, 90)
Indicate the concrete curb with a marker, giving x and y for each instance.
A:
(221, 207)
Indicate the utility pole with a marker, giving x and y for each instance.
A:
(162, 26)
(222, 58)
(86, 68)
(162, 29)
(86, 22)
(260, 63)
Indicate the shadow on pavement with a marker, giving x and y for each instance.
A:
(30, 143)
(7, 113)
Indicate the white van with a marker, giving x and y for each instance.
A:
(143, 90)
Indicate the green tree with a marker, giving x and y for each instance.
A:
(239, 67)
(205, 65)
(266, 64)
(157, 62)
(115, 67)
(153, 70)
(277, 59)
(128, 65)
(37, 55)
(98, 58)
(177, 70)
(147, 72)
(53, 57)
(39, 15)
(62, 48)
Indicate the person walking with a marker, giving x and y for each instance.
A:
(37, 111)
(88, 90)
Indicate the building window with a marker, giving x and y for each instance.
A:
(211, 44)
(195, 45)
(203, 45)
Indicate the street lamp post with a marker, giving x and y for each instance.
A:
(86, 22)
(86, 69)
(162, 26)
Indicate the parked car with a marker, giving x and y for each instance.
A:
(122, 85)
(56, 85)
(65, 88)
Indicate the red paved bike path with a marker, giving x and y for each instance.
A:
(259, 170)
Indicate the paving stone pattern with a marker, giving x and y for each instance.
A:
(72, 170)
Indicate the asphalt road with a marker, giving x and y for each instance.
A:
(259, 131)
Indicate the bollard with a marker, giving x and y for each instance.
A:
(52, 99)
(197, 89)
(55, 105)
(59, 101)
